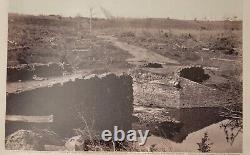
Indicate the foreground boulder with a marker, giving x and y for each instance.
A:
(75, 143)
(24, 140)
(31, 140)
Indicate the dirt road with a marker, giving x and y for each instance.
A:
(141, 55)
(33, 84)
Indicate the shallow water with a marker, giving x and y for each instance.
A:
(190, 128)
(215, 134)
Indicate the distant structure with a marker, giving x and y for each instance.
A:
(92, 11)
(90, 19)
(106, 13)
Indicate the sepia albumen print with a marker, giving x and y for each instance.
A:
(124, 75)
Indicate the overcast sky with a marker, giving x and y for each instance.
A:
(179, 9)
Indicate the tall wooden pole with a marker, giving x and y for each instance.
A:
(90, 19)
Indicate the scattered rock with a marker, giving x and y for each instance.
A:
(176, 84)
(128, 34)
(225, 45)
(230, 52)
(205, 49)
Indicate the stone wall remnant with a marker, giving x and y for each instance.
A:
(95, 103)
(26, 72)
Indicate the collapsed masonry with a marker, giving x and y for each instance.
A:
(163, 92)
(94, 103)
(195, 94)
(27, 72)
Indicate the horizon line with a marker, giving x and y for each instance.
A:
(124, 17)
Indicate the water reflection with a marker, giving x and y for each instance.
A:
(204, 126)
(188, 121)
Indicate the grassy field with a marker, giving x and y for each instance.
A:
(43, 39)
